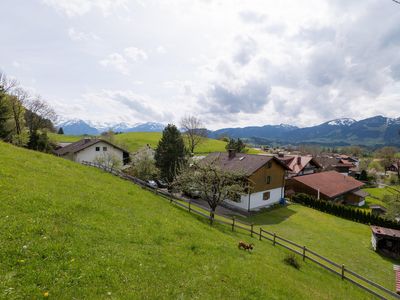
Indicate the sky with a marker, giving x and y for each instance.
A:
(231, 63)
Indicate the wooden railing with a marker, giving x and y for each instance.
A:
(307, 254)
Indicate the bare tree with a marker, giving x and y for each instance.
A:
(39, 113)
(214, 184)
(108, 161)
(194, 132)
(7, 84)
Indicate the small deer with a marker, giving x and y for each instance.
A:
(245, 246)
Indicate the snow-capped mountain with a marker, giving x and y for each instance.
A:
(81, 127)
(341, 122)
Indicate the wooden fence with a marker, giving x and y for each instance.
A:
(339, 269)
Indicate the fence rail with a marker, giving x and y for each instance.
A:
(301, 250)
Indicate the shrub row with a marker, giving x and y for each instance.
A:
(346, 212)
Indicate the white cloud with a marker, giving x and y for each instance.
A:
(135, 54)
(116, 61)
(76, 35)
(123, 62)
(73, 8)
(161, 50)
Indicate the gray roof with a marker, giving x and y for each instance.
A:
(80, 145)
(241, 163)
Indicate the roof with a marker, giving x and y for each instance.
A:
(331, 184)
(332, 162)
(385, 231)
(360, 193)
(241, 162)
(293, 162)
(82, 144)
(375, 206)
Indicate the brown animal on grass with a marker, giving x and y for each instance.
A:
(245, 246)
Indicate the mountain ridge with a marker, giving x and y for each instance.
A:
(372, 131)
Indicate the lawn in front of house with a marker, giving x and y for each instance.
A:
(343, 241)
(376, 195)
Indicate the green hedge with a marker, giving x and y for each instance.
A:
(346, 212)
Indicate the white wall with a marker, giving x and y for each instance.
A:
(90, 153)
(256, 199)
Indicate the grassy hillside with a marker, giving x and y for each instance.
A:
(133, 141)
(343, 241)
(77, 233)
(376, 195)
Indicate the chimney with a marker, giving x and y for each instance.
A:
(86, 140)
(299, 160)
(281, 154)
(231, 153)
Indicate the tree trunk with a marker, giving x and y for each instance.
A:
(212, 215)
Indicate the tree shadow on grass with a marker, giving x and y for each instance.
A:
(270, 216)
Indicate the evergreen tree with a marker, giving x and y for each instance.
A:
(238, 145)
(60, 130)
(170, 153)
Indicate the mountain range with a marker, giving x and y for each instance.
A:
(81, 127)
(374, 131)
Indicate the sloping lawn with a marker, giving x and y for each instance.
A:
(344, 242)
(377, 194)
(73, 232)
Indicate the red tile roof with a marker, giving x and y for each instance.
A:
(293, 162)
(331, 184)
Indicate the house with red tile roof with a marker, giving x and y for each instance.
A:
(300, 165)
(331, 186)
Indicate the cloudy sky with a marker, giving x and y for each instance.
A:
(231, 63)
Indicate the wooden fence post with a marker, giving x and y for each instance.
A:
(233, 223)
(189, 205)
(251, 230)
(304, 253)
(260, 233)
(343, 268)
(274, 238)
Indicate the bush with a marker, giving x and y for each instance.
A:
(291, 260)
(350, 213)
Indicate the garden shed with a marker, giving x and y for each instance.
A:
(386, 241)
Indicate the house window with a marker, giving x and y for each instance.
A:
(269, 164)
(97, 148)
(104, 148)
(266, 196)
(268, 179)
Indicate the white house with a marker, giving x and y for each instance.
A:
(93, 150)
(266, 176)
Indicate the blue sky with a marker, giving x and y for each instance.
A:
(231, 63)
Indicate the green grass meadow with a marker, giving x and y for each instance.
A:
(343, 241)
(69, 231)
(133, 141)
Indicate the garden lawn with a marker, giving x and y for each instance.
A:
(377, 195)
(69, 231)
(344, 242)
